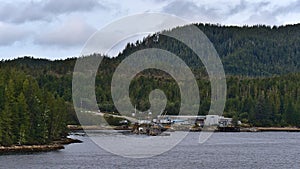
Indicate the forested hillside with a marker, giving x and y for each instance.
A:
(249, 51)
(28, 113)
(261, 64)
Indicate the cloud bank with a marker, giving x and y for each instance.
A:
(66, 24)
(10, 34)
(44, 10)
(73, 32)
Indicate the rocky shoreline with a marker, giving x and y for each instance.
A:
(55, 145)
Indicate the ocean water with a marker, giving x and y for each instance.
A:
(221, 151)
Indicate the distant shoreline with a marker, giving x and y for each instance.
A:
(55, 145)
(242, 129)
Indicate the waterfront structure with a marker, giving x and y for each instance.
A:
(208, 120)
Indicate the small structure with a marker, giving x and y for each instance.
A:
(212, 120)
(224, 122)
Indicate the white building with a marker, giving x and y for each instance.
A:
(209, 120)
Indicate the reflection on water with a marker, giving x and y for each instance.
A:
(222, 150)
(135, 146)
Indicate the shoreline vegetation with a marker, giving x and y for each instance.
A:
(59, 144)
(55, 145)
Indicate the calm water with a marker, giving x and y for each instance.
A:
(221, 151)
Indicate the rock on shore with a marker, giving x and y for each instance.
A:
(31, 148)
(56, 145)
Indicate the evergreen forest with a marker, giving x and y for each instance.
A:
(261, 64)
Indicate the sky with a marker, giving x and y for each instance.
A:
(58, 29)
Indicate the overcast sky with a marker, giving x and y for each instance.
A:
(56, 29)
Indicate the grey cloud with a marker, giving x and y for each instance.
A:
(64, 6)
(245, 12)
(244, 5)
(30, 12)
(44, 10)
(241, 6)
(22, 12)
(269, 17)
(263, 17)
(257, 13)
(74, 32)
(10, 34)
(190, 9)
(292, 7)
